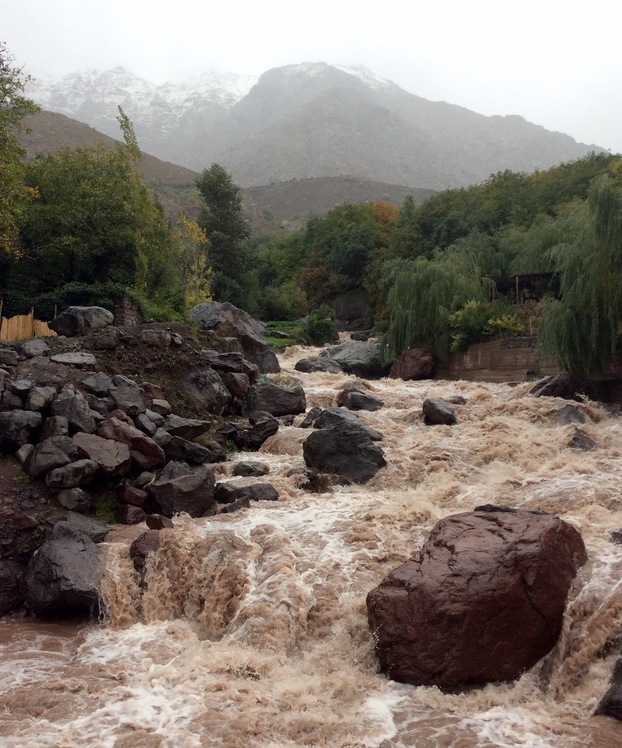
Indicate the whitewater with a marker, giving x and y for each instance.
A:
(250, 628)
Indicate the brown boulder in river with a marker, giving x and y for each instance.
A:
(482, 601)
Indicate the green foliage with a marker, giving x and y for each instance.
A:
(14, 193)
(104, 506)
(582, 327)
(320, 326)
(222, 219)
(422, 300)
(478, 321)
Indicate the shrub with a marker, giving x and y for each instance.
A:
(320, 326)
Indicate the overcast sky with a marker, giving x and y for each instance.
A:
(557, 63)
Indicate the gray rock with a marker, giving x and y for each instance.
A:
(79, 359)
(55, 426)
(437, 411)
(226, 320)
(12, 593)
(354, 400)
(74, 474)
(275, 399)
(318, 363)
(345, 450)
(128, 398)
(181, 488)
(186, 451)
(77, 319)
(358, 357)
(144, 451)
(40, 398)
(266, 361)
(74, 407)
(112, 457)
(156, 338)
(64, 574)
(250, 468)
(208, 388)
(52, 453)
(145, 424)
(570, 414)
(98, 384)
(18, 427)
(187, 428)
(75, 499)
(35, 347)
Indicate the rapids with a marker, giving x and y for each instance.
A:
(251, 628)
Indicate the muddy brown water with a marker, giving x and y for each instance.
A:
(251, 630)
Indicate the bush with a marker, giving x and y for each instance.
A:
(320, 326)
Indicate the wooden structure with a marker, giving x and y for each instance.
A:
(22, 327)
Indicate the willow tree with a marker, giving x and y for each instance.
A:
(422, 299)
(582, 327)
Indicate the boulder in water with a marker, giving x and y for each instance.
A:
(482, 601)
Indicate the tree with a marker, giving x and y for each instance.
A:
(222, 219)
(582, 327)
(14, 194)
(192, 248)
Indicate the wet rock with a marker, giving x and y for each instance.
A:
(250, 468)
(128, 494)
(345, 450)
(18, 427)
(568, 386)
(482, 601)
(580, 440)
(310, 418)
(331, 417)
(112, 457)
(570, 414)
(437, 411)
(318, 363)
(95, 528)
(75, 474)
(181, 449)
(236, 505)
(77, 319)
(266, 361)
(128, 514)
(238, 385)
(263, 425)
(12, 593)
(275, 399)
(355, 400)
(611, 703)
(158, 522)
(456, 400)
(63, 576)
(148, 542)
(181, 488)
(357, 357)
(228, 492)
(414, 364)
(146, 425)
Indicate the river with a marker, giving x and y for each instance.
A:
(251, 630)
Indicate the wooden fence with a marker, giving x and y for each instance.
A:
(22, 327)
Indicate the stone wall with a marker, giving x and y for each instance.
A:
(126, 312)
(504, 360)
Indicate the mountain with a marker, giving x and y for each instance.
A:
(310, 120)
(265, 207)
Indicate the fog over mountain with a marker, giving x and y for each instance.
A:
(308, 120)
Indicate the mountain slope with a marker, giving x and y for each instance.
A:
(310, 120)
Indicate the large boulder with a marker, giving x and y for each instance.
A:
(77, 319)
(437, 411)
(482, 601)
(275, 399)
(226, 320)
(144, 451)
(112, 457)
(345, 450)
(318, 363)
(611, 703)
(63, 575)
(181, 488)
(416, 363)
(209, 390)
(353, 309)
(568, 386)
(358, 357)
